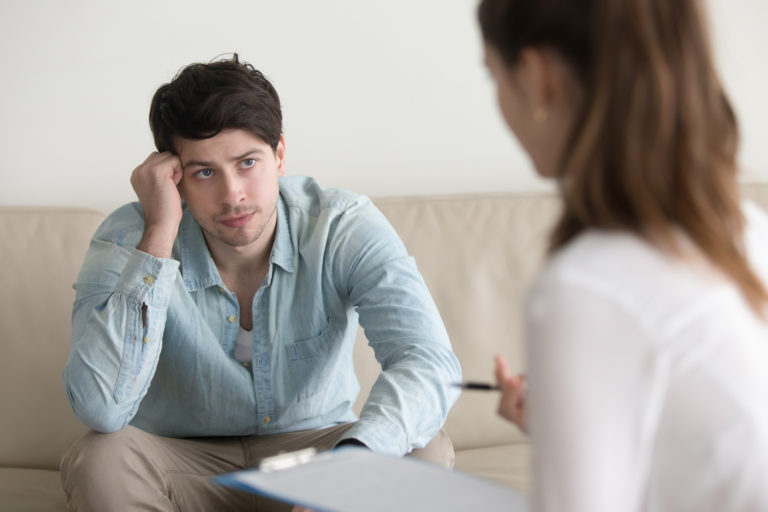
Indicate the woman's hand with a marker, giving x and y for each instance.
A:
(513, 388)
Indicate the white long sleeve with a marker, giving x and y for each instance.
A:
(647, 379)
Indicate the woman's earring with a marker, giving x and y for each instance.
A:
(540, 114)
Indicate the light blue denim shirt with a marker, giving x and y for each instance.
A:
(335, 260)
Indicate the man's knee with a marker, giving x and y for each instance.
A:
(438, 451)
(98, 453)
(95, 461)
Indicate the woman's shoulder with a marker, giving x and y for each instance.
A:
(631, 273)
(604, 255)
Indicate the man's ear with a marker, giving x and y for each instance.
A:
(280, 155)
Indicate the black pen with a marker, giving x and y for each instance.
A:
(484, 386)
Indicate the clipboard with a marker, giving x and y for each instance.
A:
(352, 479)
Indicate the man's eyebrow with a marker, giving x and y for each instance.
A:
(252, 152)
(203, 163)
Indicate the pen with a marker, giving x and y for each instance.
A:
(477, 386)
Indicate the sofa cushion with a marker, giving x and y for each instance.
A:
(506, 464)
(33, 490)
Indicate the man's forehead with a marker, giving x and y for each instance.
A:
(227, 144)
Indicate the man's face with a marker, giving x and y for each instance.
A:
(230, 185)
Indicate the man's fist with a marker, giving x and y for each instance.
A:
(156, 182)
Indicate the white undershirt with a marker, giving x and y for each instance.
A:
(648, 381)
(244, 346)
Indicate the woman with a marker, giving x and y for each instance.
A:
(647, 330)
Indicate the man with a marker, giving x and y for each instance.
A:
(214, 319)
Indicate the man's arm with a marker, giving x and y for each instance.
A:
(411, 398)
(122, 295)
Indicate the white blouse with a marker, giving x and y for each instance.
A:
(648, 380)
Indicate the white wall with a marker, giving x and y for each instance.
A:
(382, 97)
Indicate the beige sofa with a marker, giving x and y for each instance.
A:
(477, 253)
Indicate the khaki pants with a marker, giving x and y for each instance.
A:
(134, 470)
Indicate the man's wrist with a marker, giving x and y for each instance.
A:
(158, 241)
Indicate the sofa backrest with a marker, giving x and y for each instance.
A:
(42, 250)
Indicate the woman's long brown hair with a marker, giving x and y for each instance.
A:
(653, 147)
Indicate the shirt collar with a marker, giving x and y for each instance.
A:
(282, 248)
(197, 265)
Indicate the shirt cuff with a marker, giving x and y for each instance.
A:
(351, 441)
(379, 436)
(148, 279)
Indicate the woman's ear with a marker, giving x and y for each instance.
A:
(538, 77)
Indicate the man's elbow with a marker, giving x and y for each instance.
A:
(96, 414)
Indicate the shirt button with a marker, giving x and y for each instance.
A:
(231, 319)
(266, 419)
(222, 290)
(149, 279)
(147, 339)
(246, 364)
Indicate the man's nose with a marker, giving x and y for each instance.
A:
(232, 192)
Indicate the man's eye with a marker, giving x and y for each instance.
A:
(204, 173)
(248, 162)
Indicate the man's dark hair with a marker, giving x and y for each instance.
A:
(204, 99)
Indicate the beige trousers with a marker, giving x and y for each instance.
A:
(134, 470)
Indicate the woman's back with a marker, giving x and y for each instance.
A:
(647, 379)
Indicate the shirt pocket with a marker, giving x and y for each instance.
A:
(309, 362)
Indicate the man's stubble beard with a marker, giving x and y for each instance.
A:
(243, 241)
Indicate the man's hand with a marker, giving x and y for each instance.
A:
(512, 402)
(156, 183)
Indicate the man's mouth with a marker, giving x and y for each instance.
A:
(236, 221)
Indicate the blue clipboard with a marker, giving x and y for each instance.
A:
(352, 479)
